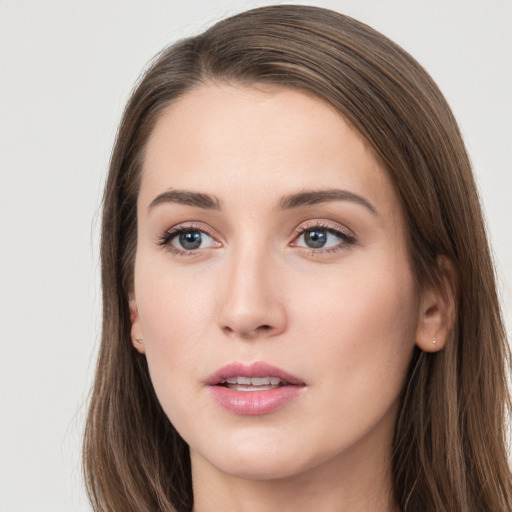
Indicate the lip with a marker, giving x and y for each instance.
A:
(258, 369)
(253, 403)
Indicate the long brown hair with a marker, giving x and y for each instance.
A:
(450, 443)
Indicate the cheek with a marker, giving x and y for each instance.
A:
(371, 292)
(361, 326)
(175, 313)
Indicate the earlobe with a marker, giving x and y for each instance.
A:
(136, 330)
(437, 309)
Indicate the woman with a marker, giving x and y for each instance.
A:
(299, 302)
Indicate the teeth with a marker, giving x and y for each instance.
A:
(260, 381)
(253, 388)
(268, 382)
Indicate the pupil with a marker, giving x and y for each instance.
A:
(190, 239)
(315, 238)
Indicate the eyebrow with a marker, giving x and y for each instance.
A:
(188, 198)
(313, 197)
(305, 198)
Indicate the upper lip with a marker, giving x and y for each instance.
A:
(257, 369)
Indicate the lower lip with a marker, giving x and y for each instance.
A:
(254, 403)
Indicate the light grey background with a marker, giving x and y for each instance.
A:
(66, 69)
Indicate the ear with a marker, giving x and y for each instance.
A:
(437, 309)
(136, 331)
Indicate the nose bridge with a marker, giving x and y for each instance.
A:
(251, 305)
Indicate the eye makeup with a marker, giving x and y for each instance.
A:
(188, 239)
(317, 237)
(321, 237)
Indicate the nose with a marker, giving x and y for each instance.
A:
(251, 304)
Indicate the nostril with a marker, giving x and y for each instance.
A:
(265, 328)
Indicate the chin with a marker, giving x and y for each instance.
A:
(272, 458)
(259, 467)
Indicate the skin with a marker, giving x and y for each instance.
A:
(343, 320)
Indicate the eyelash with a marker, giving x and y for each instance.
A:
(346, 238)
(168, 236)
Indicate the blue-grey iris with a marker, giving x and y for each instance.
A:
(315, 239)
(190, 239)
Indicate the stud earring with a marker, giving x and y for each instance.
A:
(140, 341)
(434, 341)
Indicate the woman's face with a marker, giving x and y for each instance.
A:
(273, 293)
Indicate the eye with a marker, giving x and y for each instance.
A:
(190, 240)
(319, 237)
(187, 240)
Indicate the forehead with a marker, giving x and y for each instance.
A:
(228, 139)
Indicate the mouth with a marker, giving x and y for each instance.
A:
(253, 383)
(256, 376)
(254, 389)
